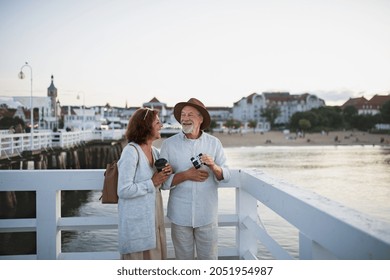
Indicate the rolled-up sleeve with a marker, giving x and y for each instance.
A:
(221, 161)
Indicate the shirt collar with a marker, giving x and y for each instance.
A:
(185, 136)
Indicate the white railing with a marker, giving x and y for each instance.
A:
(15, 144)
(327, 230)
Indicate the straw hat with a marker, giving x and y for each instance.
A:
(193, 102)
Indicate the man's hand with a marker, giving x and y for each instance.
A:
(197, 175)
(209, 161)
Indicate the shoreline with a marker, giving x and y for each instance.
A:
(278, 138)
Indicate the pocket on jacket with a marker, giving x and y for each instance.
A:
(139, 226)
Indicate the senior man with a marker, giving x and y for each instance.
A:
(199, 164)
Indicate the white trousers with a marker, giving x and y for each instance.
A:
(204, 239)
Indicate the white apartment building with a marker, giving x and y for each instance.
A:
(251, 107)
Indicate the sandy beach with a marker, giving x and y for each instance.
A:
(275, 138)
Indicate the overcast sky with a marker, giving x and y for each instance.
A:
(120, 51)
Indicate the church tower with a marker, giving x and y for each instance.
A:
(52, 93)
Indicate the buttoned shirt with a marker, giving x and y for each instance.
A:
(193, 203)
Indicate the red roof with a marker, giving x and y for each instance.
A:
(377, 101)
(358, 103)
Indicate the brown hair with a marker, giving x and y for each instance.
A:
(140, 124)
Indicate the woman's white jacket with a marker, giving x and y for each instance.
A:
(136, 205)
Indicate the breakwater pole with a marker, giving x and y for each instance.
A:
(91, 155)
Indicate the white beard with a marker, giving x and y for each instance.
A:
(187, 129)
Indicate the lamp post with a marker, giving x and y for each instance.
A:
(22, 76)
(78, 97)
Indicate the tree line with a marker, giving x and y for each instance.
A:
(334, 118)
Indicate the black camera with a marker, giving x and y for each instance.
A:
(197, 161)
(160, 164)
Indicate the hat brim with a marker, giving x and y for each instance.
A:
(206, 116)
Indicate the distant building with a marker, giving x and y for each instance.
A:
(53, 113)
(164, 112)
(78, 118)
(48, 108)
(23, 109)
(12, 109)
(374, 105)
(358, 103)
(48, 112)
(250, 108)
(367, 107)
(52, 94)
(220, 113)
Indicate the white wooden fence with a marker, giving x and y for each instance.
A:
(327, 230)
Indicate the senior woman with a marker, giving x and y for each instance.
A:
(141, 218)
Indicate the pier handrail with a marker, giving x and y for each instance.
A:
(327, 230)
(15, 144)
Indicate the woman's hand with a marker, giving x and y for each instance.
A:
(167, 169)
(160, 177)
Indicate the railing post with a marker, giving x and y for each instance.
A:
(246, 206)
(305, 247)
(22, 137)
(309, 250)
(48, 212)
(32, 142)
(62, 140)
(12, 144)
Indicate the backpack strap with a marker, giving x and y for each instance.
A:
(137, 159)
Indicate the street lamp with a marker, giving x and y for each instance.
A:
(22, 76)
(78, 97)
